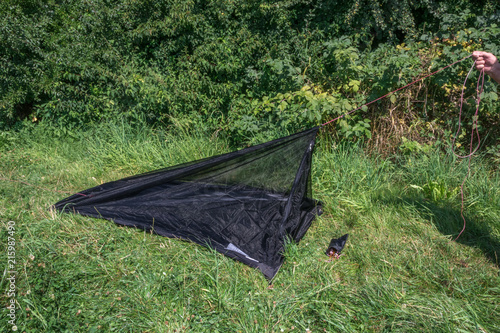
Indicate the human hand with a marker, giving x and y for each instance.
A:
(487, 62)
(484, 60)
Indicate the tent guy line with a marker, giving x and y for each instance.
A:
(474, 132)
(392, 92)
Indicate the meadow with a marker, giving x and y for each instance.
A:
(401, 270)
(94, 91)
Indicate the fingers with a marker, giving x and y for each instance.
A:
(478, 57)
(480, 63)
(486, 56)
(477, 54)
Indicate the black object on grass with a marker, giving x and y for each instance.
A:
(336, 246)
(244, 204)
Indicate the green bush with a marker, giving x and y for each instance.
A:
(225, 65)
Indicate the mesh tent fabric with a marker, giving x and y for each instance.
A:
(244, 204)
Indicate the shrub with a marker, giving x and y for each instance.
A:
(244, 68)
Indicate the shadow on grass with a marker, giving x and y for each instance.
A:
(478, 230)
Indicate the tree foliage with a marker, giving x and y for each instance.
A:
(242, 67)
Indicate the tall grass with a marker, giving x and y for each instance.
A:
(400, 271)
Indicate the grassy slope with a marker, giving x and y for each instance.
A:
(400, 271)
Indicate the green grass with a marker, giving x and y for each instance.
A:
(400, 271)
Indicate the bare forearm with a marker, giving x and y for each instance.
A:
(494, 73)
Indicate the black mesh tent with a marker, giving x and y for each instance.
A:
(244, 204)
